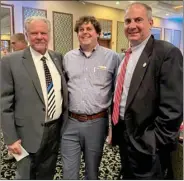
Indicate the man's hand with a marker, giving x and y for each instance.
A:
(15, 147)
(109, 137)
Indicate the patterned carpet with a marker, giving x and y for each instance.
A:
(109, 168)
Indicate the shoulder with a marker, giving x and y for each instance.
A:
(55, 53)
(163, 47)
(108, 51)
(166, 51)
(72, 52)
(14, 56)
(111, 54)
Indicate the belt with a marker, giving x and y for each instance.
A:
(85, 117)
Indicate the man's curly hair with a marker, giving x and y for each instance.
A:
(88, 19)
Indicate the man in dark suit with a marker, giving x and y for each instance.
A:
(34, 102)
(147, 106)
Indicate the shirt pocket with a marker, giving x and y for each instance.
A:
(101, 76)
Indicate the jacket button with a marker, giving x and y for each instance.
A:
(43, 109)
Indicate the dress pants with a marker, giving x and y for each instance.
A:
(137, 165)
(88, 137)
(41, 165)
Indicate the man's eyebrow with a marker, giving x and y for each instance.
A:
(127, 19)
(133, 18)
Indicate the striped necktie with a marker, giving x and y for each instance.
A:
(119, 88)
(50, 90)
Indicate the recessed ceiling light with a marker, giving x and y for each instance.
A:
(167, 14)
(117, 2)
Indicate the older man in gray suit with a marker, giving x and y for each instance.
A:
(34, 102)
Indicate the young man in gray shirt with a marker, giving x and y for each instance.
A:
(91, 71)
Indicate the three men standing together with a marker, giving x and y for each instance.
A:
(147, 107)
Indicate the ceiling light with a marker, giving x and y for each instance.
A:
(131, 1)
(117, 2)
(167, 14)
(177, 7)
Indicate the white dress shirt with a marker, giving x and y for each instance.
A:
(56, 78)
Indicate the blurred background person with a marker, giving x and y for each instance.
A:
(18, 42)
(4, 52)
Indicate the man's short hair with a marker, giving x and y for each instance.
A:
(148, 8)
(88, 19)
(19, 37)
(32, 18)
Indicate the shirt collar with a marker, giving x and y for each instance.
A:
(37, 55)
(141, 44)
(95, 48)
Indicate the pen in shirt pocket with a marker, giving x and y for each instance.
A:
(101, 67)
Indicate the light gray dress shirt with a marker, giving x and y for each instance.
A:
(91, 79)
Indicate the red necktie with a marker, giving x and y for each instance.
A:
(119, 88)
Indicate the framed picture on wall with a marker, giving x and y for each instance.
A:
(121, 40)
(177, 38)
(168, 35)
(7, 19)
(7, 27)
(28, 12)
(62, 32)
(157, 32)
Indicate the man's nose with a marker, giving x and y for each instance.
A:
(39, 36)
(85, 31)
(132, 24)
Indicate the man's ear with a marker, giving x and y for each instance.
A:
(151, 22)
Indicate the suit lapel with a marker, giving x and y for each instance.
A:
(56, 60)
(58, 63)
(31, 69)
(139, 71)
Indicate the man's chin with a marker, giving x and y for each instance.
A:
(85, 43)
(41, 50)
(134, 37)
(134, 42)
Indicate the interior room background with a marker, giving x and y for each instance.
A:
(70, 11)
(63, 15)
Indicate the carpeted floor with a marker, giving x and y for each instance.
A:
(109, 168)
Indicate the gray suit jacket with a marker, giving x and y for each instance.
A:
(22, 101)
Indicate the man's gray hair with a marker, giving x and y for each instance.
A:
(148, 8)
(33, 18)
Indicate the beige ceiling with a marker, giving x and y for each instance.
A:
(159, 8)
